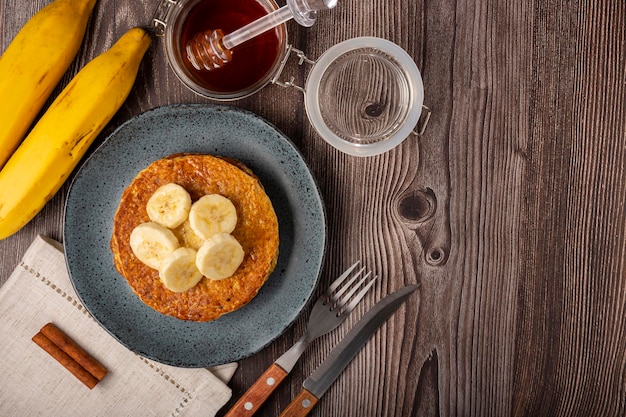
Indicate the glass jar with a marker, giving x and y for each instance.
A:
(254, 63)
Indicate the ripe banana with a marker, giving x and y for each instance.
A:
(178, 271)
(219, 256)
(212, 214)
(169, 205)
(34, 63)
(56, 144)
(152, 243)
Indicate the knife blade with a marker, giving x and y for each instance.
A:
(327, 372)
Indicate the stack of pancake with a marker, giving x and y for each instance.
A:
(256, 231)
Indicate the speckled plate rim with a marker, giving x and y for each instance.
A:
(201, 128)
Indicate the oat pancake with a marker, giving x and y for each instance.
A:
(256, 231)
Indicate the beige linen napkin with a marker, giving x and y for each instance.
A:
(32, 383)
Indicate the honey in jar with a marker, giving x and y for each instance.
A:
(253, 62)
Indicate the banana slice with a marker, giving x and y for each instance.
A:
(219, 256)
(151, 243)
(187, 237)
(178, 271)
(212, 214)
(169, 205)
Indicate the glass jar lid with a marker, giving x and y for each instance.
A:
(364, 96)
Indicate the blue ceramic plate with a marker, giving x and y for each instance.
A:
(219, 130)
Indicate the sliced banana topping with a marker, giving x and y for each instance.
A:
(151, 243)
(212, 214)
(178, 271)
(187, 236)
(219, 256)
(186, 241)
(169, 205)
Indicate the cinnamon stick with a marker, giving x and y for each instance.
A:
(65, 360)
(74, 351)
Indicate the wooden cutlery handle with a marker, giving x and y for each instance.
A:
(256, 395)
(301, 405)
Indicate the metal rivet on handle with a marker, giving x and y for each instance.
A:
(270, 381)
(306, 403)
(248, 406)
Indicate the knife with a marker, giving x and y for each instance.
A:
(316, 385)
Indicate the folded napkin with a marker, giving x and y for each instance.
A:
(32, 383)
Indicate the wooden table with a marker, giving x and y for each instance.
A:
(523, 166)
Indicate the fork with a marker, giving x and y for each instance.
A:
(329, 311)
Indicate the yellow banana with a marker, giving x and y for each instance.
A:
(55, 145)
(34, 63)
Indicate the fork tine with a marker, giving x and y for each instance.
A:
(360, 295)
(353, 288)
(339, 280)
(347, 285)
(341, 302)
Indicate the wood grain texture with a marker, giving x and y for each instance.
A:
(248, 404)
(301, 405)
(509, 209)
